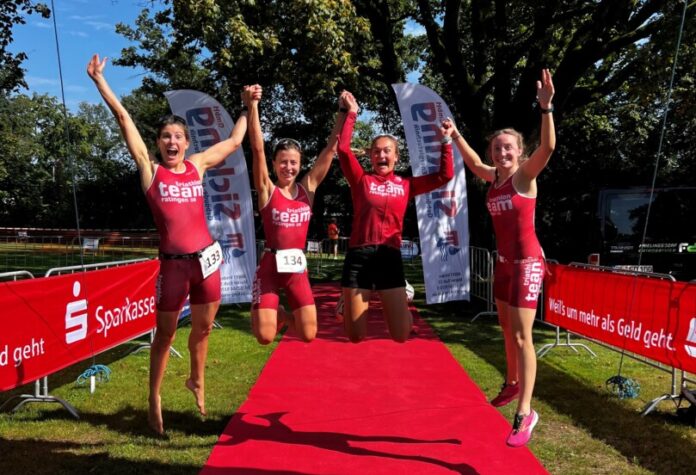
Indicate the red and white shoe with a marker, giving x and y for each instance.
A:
(507, 394)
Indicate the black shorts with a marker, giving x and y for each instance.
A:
(373, 268)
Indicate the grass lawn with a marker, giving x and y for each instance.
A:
(111, 435)
(583, 428)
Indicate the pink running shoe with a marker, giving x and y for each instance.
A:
(507, 394)
(522, 429)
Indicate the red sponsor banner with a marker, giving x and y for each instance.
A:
(646, 316)
(53, 322)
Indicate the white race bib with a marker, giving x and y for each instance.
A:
(210, 259)
(290, 261)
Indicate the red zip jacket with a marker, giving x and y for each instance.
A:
(379, 202)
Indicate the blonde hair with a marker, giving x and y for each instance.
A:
(507, 131)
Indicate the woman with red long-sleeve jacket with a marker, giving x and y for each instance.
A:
(380, 198)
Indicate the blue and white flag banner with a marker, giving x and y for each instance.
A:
(228, 205)
(443, 218)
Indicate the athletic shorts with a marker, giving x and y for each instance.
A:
(373, 268)
(181, 277)
(268, 283)
(518, 283)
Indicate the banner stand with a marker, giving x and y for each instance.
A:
(443, 220)
(228, 203)
(147, 345)
(482, 279)
(541, 352)
(674, 396)
(39, 396)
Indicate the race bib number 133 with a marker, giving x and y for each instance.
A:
(210, 259)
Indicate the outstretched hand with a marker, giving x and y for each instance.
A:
(350, 103)
(448, 129)
(544, 89)
(251, 94)
(95, 67)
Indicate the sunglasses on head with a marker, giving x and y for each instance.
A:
(388, 136)
(287, 144)
(172, 119)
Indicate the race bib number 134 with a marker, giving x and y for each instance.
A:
(290, 261)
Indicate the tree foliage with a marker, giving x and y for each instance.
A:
(488, 55)
(303, 53)
(611, 61)
(614, 141)
(12, 12)
(41, 160)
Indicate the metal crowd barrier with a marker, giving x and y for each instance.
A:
(482, 267)
(410, 251)
(16, 275)
(321, 252)
(96, 266)
(40, 392)
(481, 263)
(674, 394)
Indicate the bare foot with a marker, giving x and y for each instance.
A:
(199, 394)
(154, 415)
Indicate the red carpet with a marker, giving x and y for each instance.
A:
(378, 407)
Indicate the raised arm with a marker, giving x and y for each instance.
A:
(221, 150)
(134, 142)
(537, 161)
(323, 162)
(350, 166)
(262, 180)
(425, 183)
(471, 159)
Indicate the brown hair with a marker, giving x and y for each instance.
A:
(172, 119)
(286, 144)
(507, 131)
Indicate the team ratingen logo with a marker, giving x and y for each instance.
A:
(448, 245)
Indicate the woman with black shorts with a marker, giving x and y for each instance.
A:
(380, 198)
